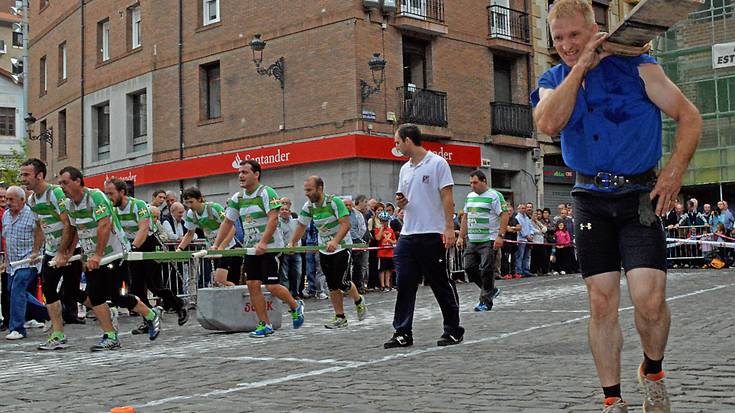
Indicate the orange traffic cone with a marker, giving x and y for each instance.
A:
(123, 291)
(126, 409)
(39, 292)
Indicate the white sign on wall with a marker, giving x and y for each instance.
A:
(723, 55)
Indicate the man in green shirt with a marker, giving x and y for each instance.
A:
(484, 223)
(55, 234)
(332, 219)
(208, 216)
(138, 226)
(100, 235)
(258, 207)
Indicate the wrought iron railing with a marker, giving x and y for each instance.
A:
(423, 106)
(432, 10)
(505, 23)
(512, 119)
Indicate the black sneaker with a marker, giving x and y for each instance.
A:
(141, 329)
(449, 340)
(399, 340)
(183, 316)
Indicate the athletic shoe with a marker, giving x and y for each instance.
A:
(361, 309)
(322, 296)
(563, 273)
(14, 335)
(141, 329)
(449, 340)
(336, 322)
(481, 307)
(183, 316)
(655, 396)
(297, 315)
(106, 343)
(154, 326)
(53, 343)
(496, 293)
(47, 326)
(615, 405)
(399, 340)
(263, 330)
(308, 294)
(33, 324)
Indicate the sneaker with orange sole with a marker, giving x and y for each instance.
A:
(615, 405)
(655, 396)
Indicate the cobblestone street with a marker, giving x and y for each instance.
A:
(528, 354)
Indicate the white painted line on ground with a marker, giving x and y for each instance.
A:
(395, 356)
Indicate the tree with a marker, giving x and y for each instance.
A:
(10, 165)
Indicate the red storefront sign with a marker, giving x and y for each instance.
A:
(290, 154)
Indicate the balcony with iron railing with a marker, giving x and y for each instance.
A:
(422, 106)
(423, 16)
(508, 30)
(511, 119)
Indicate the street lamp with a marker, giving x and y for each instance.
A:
(45, 136)
(377, 69)
(276, 69)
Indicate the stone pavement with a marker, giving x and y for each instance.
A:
(529, 354)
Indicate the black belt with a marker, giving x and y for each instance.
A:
(606, 180)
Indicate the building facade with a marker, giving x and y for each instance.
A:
(133, 88)
(693, 55)
(11, 89)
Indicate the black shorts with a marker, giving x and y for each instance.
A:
(263, 268)
(105, 283)
(385, 264)
(71, 274)
(336, 269)
(608, 234)
(233, 265)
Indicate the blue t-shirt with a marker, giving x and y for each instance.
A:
(614, 127)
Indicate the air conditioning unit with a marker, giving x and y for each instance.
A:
(389, 6)
(371, 4)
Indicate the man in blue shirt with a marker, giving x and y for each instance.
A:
(523, 253)
(608, 111)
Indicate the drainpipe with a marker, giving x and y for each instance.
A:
(181, 86)
(81, 93)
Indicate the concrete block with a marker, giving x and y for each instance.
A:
(230, 309)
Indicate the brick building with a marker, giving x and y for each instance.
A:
(165, 93)
(686, 54)
(11, 89)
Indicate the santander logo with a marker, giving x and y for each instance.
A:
(128, 177)
(276, 158)
(441, 152)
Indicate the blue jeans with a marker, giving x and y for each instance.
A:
(291, 273)
(314, 274)
(21, 300)
(523, 260)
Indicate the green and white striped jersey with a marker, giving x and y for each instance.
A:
(326, 219)
(209, 221)
(253, 210)
(48, 208)
(483, 215)
(93, 207)
(129, 217)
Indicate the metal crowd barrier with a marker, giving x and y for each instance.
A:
(685, 254)
(186, 277)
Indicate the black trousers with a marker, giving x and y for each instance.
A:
(146, 275)
(422, 256)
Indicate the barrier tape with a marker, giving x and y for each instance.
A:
(676, 242)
